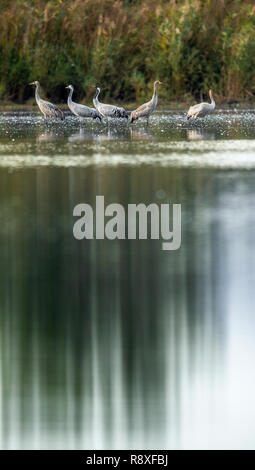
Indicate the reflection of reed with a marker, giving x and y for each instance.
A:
(103, 357)
(109, 344)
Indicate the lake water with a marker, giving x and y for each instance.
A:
(118, 344)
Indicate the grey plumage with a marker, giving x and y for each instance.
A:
(48, 109)
(108, 110)
(202, 109)
(81, 110)
(146, 109)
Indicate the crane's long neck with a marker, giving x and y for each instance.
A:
(69, 100)
(212, 101)
(155, 95)
(37, 97)
(95, 99)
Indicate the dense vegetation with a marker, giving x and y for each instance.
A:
(191, 45)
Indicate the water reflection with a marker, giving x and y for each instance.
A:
(82, 135)
(163, 126)
(114, 133)
(104, 135)
(118, 344)
(199, 134)
(50, 135)
(142, 134)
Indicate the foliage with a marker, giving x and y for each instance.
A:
(191, 45)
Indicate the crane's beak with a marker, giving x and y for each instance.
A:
(161, 83)
(32, 83)
(66, 87)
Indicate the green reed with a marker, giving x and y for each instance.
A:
(126, 45)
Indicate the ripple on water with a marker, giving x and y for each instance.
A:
(223, 140)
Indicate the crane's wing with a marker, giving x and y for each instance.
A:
(143, 109)
(86, 111)
(194, 109)
(111, 111)
(199, 110)
(205, 108)
(51, 110)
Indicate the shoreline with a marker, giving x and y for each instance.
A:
(167, 106)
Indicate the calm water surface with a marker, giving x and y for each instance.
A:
(117, 344)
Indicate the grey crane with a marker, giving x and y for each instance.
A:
(108, 110)
(202, 109)
(146, 109)
(79, 109)
(48, 109)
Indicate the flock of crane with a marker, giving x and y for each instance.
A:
(102, 110)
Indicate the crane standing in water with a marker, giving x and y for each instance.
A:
(81, 110)
(146, 109)
(108, 110)
(202, 109)
(48, 109)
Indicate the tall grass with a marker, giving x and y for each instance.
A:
(126, 45)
